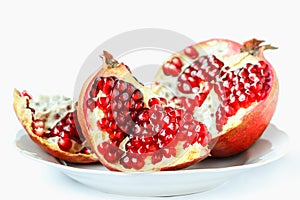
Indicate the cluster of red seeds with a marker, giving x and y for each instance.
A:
(151, 128)
(65, 129)
(235, 89)
(205, 69)
(240, 88)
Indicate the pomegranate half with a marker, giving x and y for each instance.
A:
(237, 85)
(132, 129)
(50, 122)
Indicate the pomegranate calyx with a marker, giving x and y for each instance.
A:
(255, 48)
(109, 59)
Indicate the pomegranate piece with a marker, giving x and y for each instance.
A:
(173, 67)
(51, 122)
(132, 129)
(237, 85)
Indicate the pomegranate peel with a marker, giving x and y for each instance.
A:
(130, 128)
(37, 125)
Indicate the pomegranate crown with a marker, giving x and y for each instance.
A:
(255, 46)
(109, 59)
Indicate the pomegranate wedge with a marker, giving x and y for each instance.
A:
(50, 122)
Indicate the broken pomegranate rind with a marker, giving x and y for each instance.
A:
(49, 144)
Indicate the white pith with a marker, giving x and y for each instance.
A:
(46, 108)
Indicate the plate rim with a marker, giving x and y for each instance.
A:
(64, 166)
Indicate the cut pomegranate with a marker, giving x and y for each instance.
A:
(237, 85)
(132, 129)
(51, 122)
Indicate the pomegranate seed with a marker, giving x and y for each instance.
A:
(91, 104)
(173, 67)
(191, 52)
(102, 123)
(132, 161)
(121, 86)
(64, 144)
(70, 121)
(138, 105)
(94, 92)
(124, 97)
(117, 135)
(155, 117)
(114, 94)
(120, 119)
(156, 157)
(177, 62)
(133, 115)
(86, 150)
(163, 100)
(230, 111)
(111, 153)
(38, 127)
(39, 131)
(103, 103)
(67, 128)
(143, 116)
(116, 105)
(137, 95)
(108, 85)
(170, 151)
(99, 84)
(153, 101)
(138, 130)
(110, 116)
(153, 147)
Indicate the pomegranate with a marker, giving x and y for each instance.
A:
(132, 129)
(50, 121)
(233, 86)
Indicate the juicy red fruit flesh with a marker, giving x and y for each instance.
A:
(151, 128)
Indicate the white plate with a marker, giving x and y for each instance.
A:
(203, 176)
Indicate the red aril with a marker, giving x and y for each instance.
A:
(233, 85)
(51, 122)
(132, 129)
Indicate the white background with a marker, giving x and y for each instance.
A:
(43, 45)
